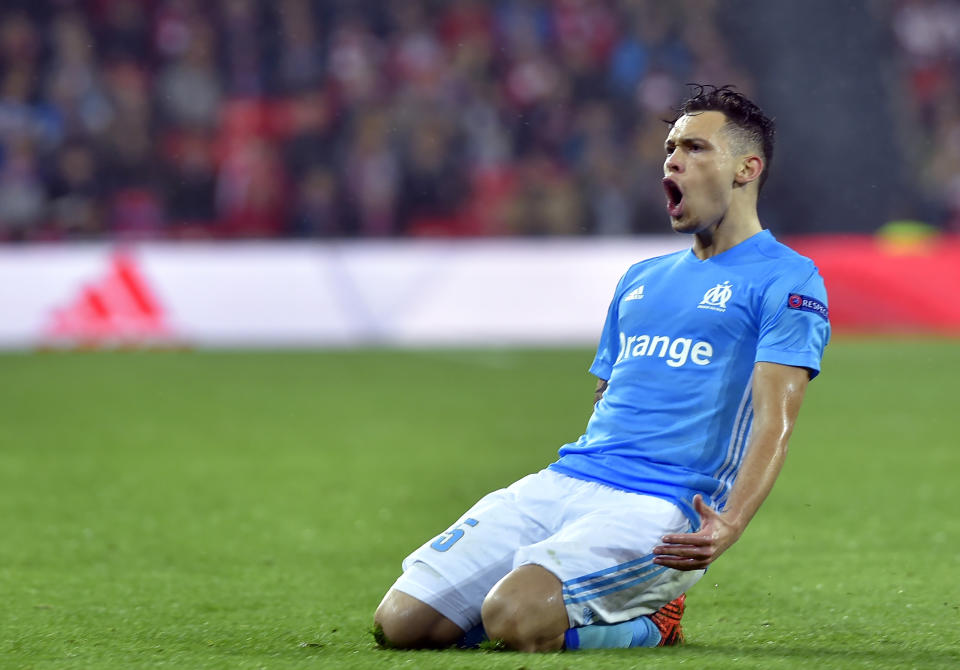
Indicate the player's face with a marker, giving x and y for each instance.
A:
(699, 171)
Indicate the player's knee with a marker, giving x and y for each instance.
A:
(516, 624)
(507, 621)
(403, 622)
(524, 613)
(398, 628)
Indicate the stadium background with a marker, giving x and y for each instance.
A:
(466, 179)
(331, 137)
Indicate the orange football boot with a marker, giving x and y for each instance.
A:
(667, 620)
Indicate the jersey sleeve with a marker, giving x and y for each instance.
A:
(794, 324)
(609, 346)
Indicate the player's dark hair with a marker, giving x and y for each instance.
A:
(755, 126)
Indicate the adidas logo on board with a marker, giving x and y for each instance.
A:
(118, 309)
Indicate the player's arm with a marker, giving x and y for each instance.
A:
(598, 393)
(777, 395)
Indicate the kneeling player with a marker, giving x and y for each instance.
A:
(703, 363)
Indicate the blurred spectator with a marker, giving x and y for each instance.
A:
(22, 197)
(73, 83)
(594, 146)
(928, 32)
(311, 129)
(354, 61)
(486, 137)
(652, 44)
(585, 34)
(942, 176)
(250, 196)
(433, 184)
(241, 27)
(135, 214)
(21, 113)
(190, 183)
(545, 200)
(19, 40)
(466, 25)
(20, 116)
(416, 57)
(124, 31)
(301, 61)
(645, 157)
(128, 139)
(318, 211)
(372, 176)
(189, 86)
(75, 193)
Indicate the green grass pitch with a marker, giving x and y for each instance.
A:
(248, 510)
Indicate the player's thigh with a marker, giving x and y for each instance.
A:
(605, 562)
(453, 572)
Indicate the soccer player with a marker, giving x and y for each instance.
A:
(702, 364)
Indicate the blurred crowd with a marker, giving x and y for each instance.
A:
(193, 119)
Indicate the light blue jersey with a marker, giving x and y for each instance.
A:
(678, 350)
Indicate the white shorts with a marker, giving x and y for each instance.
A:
(597, 540)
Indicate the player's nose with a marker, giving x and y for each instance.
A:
(672, 164)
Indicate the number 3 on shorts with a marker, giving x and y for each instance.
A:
(452, 536)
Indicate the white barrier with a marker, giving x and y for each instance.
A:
(405, 293)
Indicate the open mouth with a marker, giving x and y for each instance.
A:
(674, 197)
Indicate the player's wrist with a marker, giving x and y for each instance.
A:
(735, 522)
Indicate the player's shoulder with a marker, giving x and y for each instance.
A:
(653, 261)
(783, 259)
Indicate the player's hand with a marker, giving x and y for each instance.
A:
(695, 551)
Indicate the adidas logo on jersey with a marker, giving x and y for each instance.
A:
(677, 351)
(635, 294)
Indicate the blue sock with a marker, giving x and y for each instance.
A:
(639, 632)
(472, 637)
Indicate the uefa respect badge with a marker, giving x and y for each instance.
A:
(807, 304)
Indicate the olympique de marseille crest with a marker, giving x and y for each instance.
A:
(717, 297)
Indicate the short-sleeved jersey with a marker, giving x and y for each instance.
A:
(678, 349)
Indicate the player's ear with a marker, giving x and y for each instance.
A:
(750, 169)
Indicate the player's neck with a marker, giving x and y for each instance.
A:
(740, 223)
